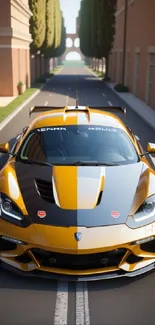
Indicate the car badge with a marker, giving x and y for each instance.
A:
(41, 214)
(115, 214)
(78, 236)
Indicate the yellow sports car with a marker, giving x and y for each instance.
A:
(77, 197)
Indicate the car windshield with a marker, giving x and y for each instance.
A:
(78, 143)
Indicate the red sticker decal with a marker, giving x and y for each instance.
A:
(41, 214)
(115, 214)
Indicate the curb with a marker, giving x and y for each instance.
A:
(152, 125)
(19, 108)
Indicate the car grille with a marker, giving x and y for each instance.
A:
(45, 190)
(148, 246)
(79, 262)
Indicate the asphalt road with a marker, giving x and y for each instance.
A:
(43, 302)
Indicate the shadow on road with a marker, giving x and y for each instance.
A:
(10, 280)
(119, 282)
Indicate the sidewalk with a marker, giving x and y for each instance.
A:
(141, 108)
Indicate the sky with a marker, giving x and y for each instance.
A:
(70, 10)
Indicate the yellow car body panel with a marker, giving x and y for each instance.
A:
(67, 184)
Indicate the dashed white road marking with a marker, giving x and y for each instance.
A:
(61, 308)
(110, 103)
(46, 103)
(51, 95)
(103, 94)
(82, 304)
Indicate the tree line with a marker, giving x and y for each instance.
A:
(47, 28)
(97, 28)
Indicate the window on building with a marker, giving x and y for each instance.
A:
(114, 66)
(136, 74)
(151, 78)
(118, 67)
(127, 69)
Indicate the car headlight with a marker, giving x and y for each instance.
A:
(144, 215)
(147, 208)
(10, 212)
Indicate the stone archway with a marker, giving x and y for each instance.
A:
(73, 39)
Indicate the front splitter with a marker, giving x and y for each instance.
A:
(62, 277)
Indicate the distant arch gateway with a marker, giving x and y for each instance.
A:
(72, 45)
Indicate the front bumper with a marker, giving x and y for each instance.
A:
(63, 277)
(115, 246)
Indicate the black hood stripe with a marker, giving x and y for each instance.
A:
(118, 193)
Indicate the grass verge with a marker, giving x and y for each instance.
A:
(8, 109)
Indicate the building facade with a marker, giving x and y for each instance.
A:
(140, 49)
(14, 46)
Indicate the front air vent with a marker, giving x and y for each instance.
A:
(25, 258)
(45, 190)
(132, 259)
(6, 245)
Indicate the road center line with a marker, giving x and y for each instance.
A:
(61, 308)
(110, 103)
(82, 304)
(46, 103)
(103, 94)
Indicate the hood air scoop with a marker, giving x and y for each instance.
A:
(45, 190)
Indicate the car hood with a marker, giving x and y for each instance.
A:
(87, 196)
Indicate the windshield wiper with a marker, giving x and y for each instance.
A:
(77, 163)
(94, 163)
(36, 162)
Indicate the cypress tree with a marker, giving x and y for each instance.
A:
(57, 28)
(37, 23)
(106, 34)
(49, 39)
(84, 27)
(57, 52)
(57, 24)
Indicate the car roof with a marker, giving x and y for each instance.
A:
(76, 116)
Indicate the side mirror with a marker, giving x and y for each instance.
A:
(4, 147)
(151, 148)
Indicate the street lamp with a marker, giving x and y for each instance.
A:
(124, 40)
